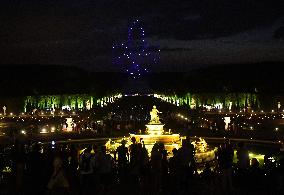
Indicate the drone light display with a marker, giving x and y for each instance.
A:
(135, 54)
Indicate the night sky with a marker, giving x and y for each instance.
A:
(190, 33)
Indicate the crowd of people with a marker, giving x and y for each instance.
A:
(66, 169)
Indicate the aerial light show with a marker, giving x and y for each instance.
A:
(135, 54)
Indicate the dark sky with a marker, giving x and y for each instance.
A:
(190, 33)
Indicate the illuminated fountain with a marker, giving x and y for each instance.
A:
(69, 122)
(202, 152)
(155, 134)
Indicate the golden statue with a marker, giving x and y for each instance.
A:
(154, 116)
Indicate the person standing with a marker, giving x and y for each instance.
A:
(243, 163)
(225, 159)
(58, 183)
(35, 162)
(122, 159)
(86, 165)
(104, 165)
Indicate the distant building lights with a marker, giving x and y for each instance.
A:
(52, 129)
(43, 130)
(66, 107)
